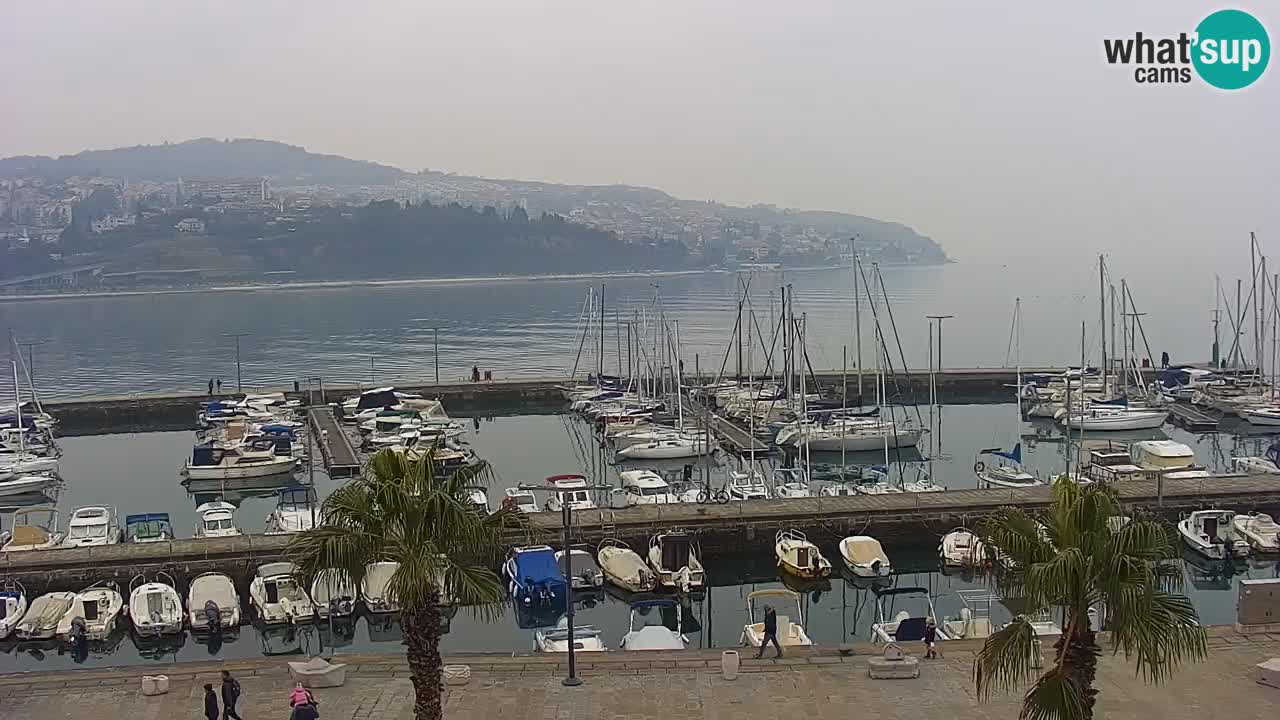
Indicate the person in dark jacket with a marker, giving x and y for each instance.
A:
(230, 694)
(770, 633)
(930, 640)
(210, 702)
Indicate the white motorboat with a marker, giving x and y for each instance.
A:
(790, 634)
(212, 601)
(40, 621)
(586, 573)
(646, 487)
(28, 464)
(1254, 464)
(333, 593)
(296, 510)
(520, 499)
(905, 627)
(22, 484)
(1103, 418)
(1170, 458)
(922, 484)
(624, 567)
(645, 636)
(961, 548)
(91, 526)
(838, 489)
(799, 557)
(747, 486)
(13, 605)
(276, 596)
(155, 607)
(217, 519)
(586, 638)
(666, 449)
(34, 528)
(974, 621)
(864, 557)
(98, 607)
(675, 560)
(1259, 530)
(212, 462)
(877, 487)
(571, 490)
(375, 589)
(790, 482)
(479, 499)
(1265, 415)
(1212, 534)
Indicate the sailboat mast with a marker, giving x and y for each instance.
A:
(17, 399)
(738, 327)
(1102, 316)
(844, 401)
(1253, 295)
(857, 317)
(1124, 333)
(600, 360)
(675, 367)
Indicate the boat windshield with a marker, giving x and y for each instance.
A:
(84, 532)
(652, 491)
(147, 530)
(216, 523)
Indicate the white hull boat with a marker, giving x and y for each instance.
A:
(1254, 464)
(276, 597)
(98, 607)
(675, 561)
(1115, 419)
(747, 486)
(13, 605)
(790, 634)
(1266, 416)
(233, 464)
(40, 622)
(645, 487)
(657, 636)
(864, 440)
(212, 599)
(1259, 530)
(28, 464)
(571, 490)
(333, 593)
(375, 589)
(155, 608)
(799, 557)
(92, 526)
(556, 640)
(670, 449)
(624, 567)
(1212, 534)
(22, 484)
(905, 627)
(961, 548)
(217, 519)
(864, 557)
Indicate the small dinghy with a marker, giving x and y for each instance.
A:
(585, 573)
(276, 596)
(212, 603)
(333, 593)
(1259, 530)
(13, 605)
(97, 608)
(864, 557)
(961, 548)
(40, 622)
(624, 567)
(586, 638)
(799, 557)
(790, 634)
(155, 607)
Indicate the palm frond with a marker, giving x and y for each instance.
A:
(1004, 662)
(1160, 630)
(1054, 697)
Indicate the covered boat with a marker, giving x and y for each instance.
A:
(582, 572)
(212, 603)
(676, 561)
(535, 578)
(624, 567)
(40, 622)
(790, 634)
(799, 557)
(864, 557)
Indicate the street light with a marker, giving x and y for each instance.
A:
(939, 318)
(237, 336)
(566, 519)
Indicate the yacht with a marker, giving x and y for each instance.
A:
(790, 633)
(676, 561)
(747, 486)
(856, 434)
(1103, 418)
(212, 602)
(571, 490)
(92, 525)
(213, 462)
(147, 528)
(216, 519)
(276, 596)
(645, 636)
(155, 607)
(1212, 534)
(667, 449)
(98, 607)
(645, 487)
(296, 510)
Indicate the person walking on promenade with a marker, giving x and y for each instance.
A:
(210, 702)
(770, 633)
(230, 695)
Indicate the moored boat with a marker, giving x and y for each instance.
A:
(791, 632)
(798, 556)
(864, 557)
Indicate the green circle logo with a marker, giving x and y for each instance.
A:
(1232, 49)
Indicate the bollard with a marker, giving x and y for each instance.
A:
(1037, 661)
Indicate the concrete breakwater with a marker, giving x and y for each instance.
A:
(177, 411)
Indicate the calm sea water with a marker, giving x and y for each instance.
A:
(139, 473)
(531, 327)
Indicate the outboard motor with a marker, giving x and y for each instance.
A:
(79, 635)
(213, 616)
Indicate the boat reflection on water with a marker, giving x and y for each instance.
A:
(159, 647)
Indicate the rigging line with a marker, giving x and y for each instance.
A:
(898, 341)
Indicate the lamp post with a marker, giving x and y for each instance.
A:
(940, 318)
(566, 519)
(237, 336)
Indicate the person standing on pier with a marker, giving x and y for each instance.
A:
(210, 702)
(230, 695)
(770, 633)
(219, 386)
(210, 386)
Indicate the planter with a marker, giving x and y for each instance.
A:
(729, 661)
(457, 674)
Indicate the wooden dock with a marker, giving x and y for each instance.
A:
(911, 519)
(731, 435)
(340, 459)
(1192, 418)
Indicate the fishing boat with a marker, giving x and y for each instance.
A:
(13, 605)
(375, 589)
(91, 526)
(904, 627)
(790, 634)
(216, 519)
(333, 594)
(961, 548)
(98, 607)
(1259, 530)
(535, 578)
(34, 528)
(747, 486)
(624, 567)
(1212, 534)
(1006, 471)
(571, 490)
(864, 557)
(276, 596)
(585, 575)
(212, 603)
(644, 636)
(147, 528)
(674, 558)
(296, 510)
(520, 499)
(646, 487)
(40, 621)
(586, 638)
(155, 606)
(210, 461)
(799, 557)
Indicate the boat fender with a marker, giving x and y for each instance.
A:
(979, 466)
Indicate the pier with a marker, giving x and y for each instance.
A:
(736, 527)
(340, 459)
(731, 435)
(1192, 418)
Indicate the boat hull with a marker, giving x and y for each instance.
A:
(250, 470)
(1144, 421)
(865, 443)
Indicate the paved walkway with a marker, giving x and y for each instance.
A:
(655, 687)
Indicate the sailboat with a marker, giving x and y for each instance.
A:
(1007, 471)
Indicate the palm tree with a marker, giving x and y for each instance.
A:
(400, 511)
(1072, 559)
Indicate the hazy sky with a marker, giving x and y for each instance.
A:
(994, 127)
